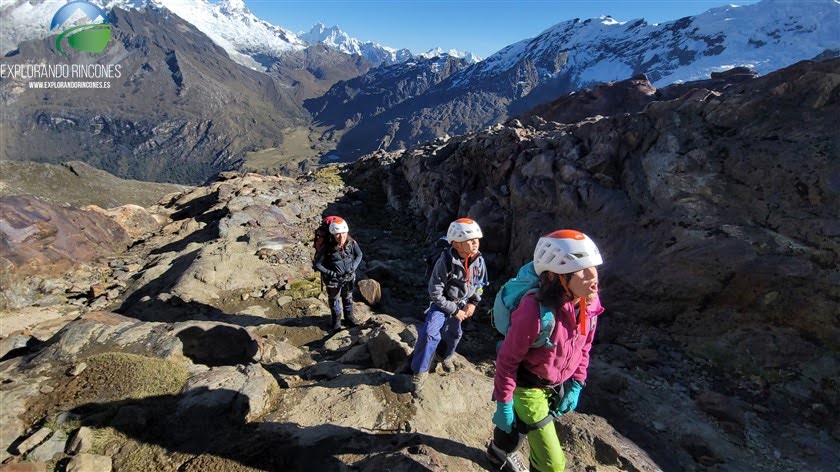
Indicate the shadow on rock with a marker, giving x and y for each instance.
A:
(220, 345)
(212, 423)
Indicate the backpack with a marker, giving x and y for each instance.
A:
(507, 300)
(432, 253)
(322, 232)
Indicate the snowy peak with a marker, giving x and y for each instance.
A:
(764, 36)
(336, 39)
(224, 22)
(333, 38)
(233, 6)
(467, 56)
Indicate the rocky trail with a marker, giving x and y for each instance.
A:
(191, 335)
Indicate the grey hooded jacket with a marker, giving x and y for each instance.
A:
(448, 285)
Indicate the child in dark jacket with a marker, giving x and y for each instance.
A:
(455, 288)
(337, 262)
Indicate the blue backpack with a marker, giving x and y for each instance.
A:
(508, 298)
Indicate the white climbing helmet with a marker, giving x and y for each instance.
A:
(338, 225)
(463, 229)
(565, 251)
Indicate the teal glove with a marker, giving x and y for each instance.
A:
(570, 398)
(503, 418)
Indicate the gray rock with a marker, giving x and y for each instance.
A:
(81, 441)
(245, 392)
(50, 448)
(10, 343)
(721, 407)
(388, 351)
(32, 441)
(90, 463)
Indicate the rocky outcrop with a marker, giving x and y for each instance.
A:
(698, 192)
(43, 242)
(629, 96)
(715, 212)
(220, 356)
(137, 222)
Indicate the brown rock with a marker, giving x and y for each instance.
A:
(371, 291)
(24, 467)
(134, 219)
(721, 407)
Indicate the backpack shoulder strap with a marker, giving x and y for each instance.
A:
(547, 324)
(447, 260)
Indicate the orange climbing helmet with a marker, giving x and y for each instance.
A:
(565, 251)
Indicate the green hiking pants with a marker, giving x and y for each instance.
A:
(531, 406)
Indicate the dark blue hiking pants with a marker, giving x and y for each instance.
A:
(438, 327)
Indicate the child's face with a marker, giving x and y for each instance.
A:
(584, 283)
(466, 248)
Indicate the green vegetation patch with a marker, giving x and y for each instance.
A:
(330, 175)
(305, 288)
(114, 376)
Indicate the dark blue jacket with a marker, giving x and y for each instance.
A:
(338, 265)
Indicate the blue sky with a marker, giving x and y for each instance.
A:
(481, 27)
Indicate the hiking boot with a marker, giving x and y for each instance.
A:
(418, 380)
(502, 460)
(349, 318)
(448, 364)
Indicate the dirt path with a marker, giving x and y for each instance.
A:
(40, 322)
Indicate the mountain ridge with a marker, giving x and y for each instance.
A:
(223, 21)
(575, 54)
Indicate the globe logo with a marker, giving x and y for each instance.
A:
(91, 37)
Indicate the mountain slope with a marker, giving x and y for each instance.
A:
(312, 71)
(223, 21)
(78, 184)
(365, 106)
(180, 111)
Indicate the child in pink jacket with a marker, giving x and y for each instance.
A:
(533, 385)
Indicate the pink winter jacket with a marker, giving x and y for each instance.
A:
(569, 359)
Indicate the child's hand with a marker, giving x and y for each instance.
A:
(469, 310)
(461, 315)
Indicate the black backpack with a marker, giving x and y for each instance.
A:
(432, 253)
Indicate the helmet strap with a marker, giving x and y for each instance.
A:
(582, 325)
(563, 283)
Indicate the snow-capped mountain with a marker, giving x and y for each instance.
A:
(467, 56)
(764, 36)
(340, 41)
(576, 54)
(223, 21)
